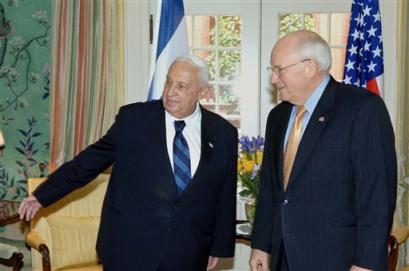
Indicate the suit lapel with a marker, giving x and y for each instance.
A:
(282, 127)
(318, 121)
(158, 127)
(206, 151)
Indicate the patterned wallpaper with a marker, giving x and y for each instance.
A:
(25, 40)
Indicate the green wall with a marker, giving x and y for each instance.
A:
(25, 42)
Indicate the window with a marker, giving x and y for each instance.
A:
(217, 39)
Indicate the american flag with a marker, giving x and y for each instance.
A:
(364, 56)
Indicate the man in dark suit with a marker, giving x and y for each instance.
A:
(328, 177)
(171, 199)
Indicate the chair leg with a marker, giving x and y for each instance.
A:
(15, 261)
(18, 264)
(393, 253)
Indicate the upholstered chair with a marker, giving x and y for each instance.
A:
(63, 235)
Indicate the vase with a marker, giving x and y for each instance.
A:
(250, 209)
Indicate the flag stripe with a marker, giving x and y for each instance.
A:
(170, 42)
(169, 22)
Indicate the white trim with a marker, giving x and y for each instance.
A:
(136, 50)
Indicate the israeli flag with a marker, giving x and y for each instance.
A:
(169, 42)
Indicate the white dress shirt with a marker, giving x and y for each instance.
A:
(192, 134)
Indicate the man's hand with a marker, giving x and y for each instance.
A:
(211, 263)
(357, 268)
(259, 260)
(29, 208)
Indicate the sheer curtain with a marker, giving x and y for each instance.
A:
(87, 73)
(402, 127)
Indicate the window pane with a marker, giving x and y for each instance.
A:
(217, 39)
(229, 65)
(229, 102)
(319, 25)
(339, 29)
(209, 56)
(203, 29)
(290, 22)
(229, 31)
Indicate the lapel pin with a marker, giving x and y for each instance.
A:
(210, 144)
(321, 119)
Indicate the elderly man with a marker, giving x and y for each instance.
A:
(329, 171)
(170, 203)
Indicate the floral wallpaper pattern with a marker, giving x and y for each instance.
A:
(24, 93)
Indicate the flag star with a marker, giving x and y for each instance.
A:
(359, 68)
(367, 46)
(350, 65)
(353, 50)
(367, 11)
(377, 52)
(371, 32)
(380, 39)
(347, 79)
(360, 51)
(361, 20)
(361, 35)
(358, 19)
(377, 17)
(371, 66)
(355, 35)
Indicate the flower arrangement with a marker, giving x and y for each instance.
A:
(248, 166)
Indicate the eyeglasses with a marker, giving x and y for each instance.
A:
(277, 70)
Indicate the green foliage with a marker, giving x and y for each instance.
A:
(296, 21)
(228, 36)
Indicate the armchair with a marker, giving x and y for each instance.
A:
(63, 235)
(398, 237)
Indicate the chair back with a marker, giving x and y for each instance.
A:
(60, 223)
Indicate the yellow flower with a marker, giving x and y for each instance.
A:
(245, 165)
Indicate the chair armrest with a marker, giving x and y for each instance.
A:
(401, 234)
(34, 240)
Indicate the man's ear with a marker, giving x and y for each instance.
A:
(312, 68)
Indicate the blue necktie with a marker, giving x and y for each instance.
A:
(181, 157)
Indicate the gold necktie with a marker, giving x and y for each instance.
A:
(292, 145)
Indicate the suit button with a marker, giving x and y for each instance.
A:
(175, 208)
(285, 202)
(169, 230)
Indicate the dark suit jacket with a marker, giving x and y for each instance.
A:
(143, 217)
(338, 207)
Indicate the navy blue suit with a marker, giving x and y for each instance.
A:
(337, 209)
(145, 224)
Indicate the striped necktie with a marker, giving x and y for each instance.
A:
(181, 157)
(292, 145)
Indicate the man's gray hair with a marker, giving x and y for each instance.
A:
(197, 62)
(313, 46)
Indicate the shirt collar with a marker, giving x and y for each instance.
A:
(312, 101)
(191, 120)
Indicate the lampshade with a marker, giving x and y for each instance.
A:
(1, 139)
